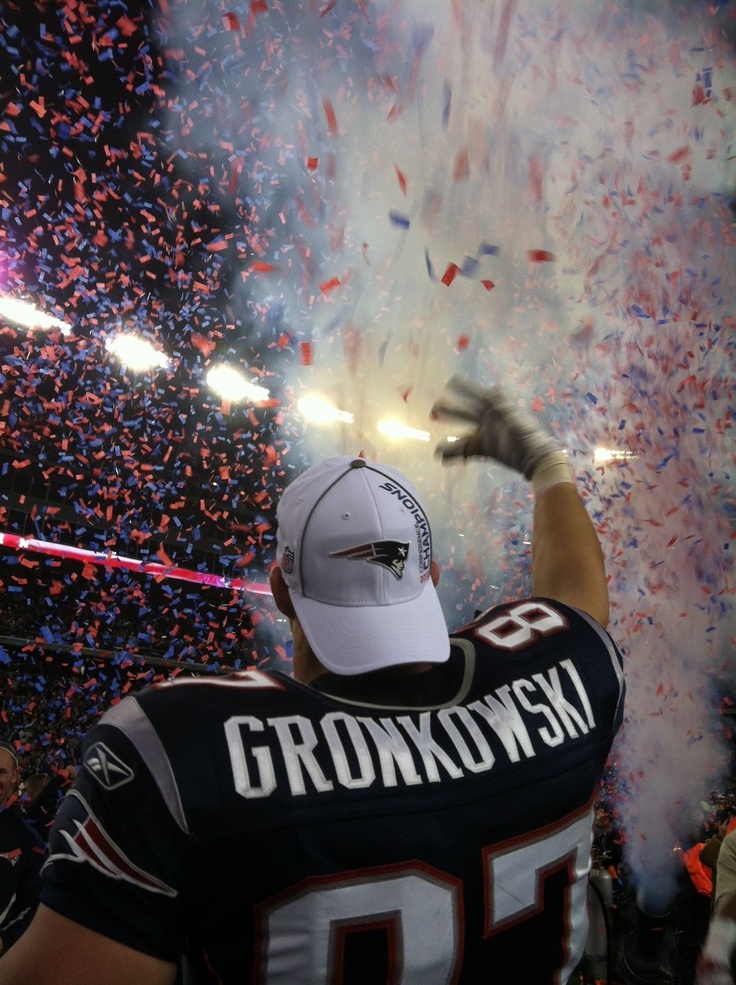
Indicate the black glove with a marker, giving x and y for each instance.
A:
(502, 431)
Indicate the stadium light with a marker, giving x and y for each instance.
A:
(29, 316)
(319, 410)
(613, 455)
(398, 431)
(231, 385)
(136, 352)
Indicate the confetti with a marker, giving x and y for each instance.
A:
(539, 256)
(200, 186)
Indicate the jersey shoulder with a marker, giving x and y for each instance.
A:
(533, 622)
(533, 634)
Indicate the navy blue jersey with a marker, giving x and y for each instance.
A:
(428, 829)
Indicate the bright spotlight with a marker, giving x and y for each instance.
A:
(319, 410)
(29, 316)
(398, 431)
(136, 352)
(613, 455)
(231, 385)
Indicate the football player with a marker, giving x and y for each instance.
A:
(21, 855)
(410, 807)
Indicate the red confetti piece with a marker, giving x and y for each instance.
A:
(539, 256)
(679, 155)
(258, 7)
(306, 356)
(304, 214)
(329, 285)
(331, 118)
(204, 345)
(463, 342)
(312, 163)
(261, 266)
(537, 404)
(450, 274)
(231, 22)
(402, 179)
(698, 95)
(535, 179)
(488, 284)
(461, 171)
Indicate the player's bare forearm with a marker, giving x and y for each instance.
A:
(566, 553)
(57, 951)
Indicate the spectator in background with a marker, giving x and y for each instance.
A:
(21, 855)
(43, 792)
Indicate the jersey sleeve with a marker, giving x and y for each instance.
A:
(116, 848)
(17, 916)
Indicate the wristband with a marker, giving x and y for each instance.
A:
(720, 941)
(552, 469)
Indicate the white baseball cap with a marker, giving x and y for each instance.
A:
(355, 548)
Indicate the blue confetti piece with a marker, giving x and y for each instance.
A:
(421, 36)
(447, 102)
(469, 267)
(399, 219)
(591, 397)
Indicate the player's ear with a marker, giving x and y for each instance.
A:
(434, 572)
(281, 593)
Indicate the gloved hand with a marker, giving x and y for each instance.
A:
(712, 974)
(714, 963)
(502, 431)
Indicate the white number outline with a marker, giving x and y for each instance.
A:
(550, 621)
(438, 890)
(514, 884)
(518, 868)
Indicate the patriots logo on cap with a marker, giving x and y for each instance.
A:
(391, 554)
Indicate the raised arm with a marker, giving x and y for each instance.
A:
(567, 557)
(566, 554)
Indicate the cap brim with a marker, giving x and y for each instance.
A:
(357, 639)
